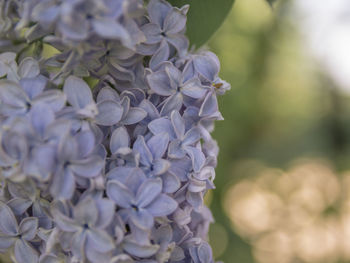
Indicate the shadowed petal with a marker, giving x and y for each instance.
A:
(197, 157)
(135, 249)
(172, 103)
(28, 228)
(24, 253)
(6, 242)
(8, 222)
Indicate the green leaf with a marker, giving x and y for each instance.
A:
(270, 2)
(204, 18)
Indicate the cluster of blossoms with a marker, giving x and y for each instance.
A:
(105, 121)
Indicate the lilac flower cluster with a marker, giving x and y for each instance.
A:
(105, 121)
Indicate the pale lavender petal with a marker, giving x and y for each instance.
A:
(110, 29)
(159, 83)
(8, 222)
(163, 205)
(78, 92)
(134, 115)
(158, 11)
(158, 145)
(25, 253)
(148, 191)
(209, 106)
(120, 194)
(161, 55)
(6, 242)
(99, 240)
(192, 136)
(206, 66)
(176, 20)
(197, 157)
(119, 139)
(160, 166)
(162, 125)
(106, 209)
(174, 102)
(194, 89)
(89, 167)
(171, 183)
(142, 218)
(86, 212)
(63, 185)
(176, 150)
(109, 113)
(28, 68)
(135, 249)
(178, 124)
(141, 148)
(152, 32)
(28, 228)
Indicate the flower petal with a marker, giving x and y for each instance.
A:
(142, 219)
(134, 115)
(8, 222)
(178, 124)
(162, 125)
(141, 148)
(158, 144)
(148, 191)
(28, 228)
(24, 252)
(120, 194)
(159, 83)
(88, 167)
(109, 113)
(99, 240)
(163, 205)
(78, 92)
(119, 139)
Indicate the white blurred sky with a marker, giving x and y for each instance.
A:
(326, 27)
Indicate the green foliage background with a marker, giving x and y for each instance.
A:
(281, 107)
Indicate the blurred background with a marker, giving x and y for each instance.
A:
(283, 177)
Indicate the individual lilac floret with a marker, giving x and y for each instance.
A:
(182, 142)
(170, 82)
(164, 32)
(140, 198)
(83, 227)
(19, 236)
